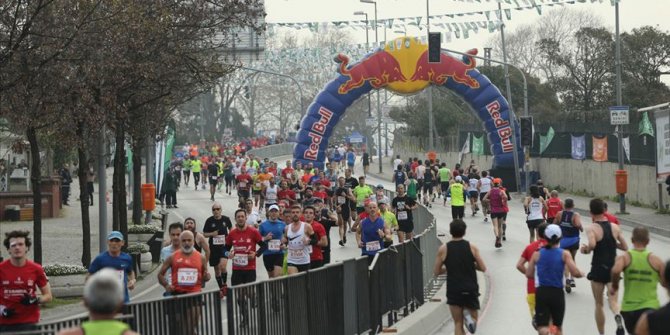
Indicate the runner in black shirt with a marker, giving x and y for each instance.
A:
(341, 200)
(216, 228)
(402, 208)
(350, 182)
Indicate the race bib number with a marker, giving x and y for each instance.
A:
(241, 260)
(274, 245)
(243, 184)
(402, 215)
(372, 246)
(187, 276)
(258, 185)
(341, 200)
(219, 240)
(297, 195)
(214, 177)
(296, 253)
(121, 275)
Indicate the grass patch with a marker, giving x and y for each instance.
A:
(57, 302)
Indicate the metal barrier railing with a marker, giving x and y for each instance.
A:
(183, 314)
(275, 150)
(323, 301)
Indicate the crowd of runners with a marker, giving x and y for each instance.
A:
(285, 213)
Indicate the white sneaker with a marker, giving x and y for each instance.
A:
(470, 323)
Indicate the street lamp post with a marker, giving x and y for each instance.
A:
(622, 196)
(379, 111)
(431, 121)
(367, 46)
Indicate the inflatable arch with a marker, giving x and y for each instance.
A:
(402, 66)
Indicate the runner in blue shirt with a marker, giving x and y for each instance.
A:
(372, 234)
(119, 261)
(272, 231)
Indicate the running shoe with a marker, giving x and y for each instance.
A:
(470, 322)
(619, 325)
(572, 282)
(223, 291)
(341, 243)
(486, 219)
(498, 243)
(504, 237)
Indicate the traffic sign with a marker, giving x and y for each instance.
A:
(619, 115)
(370, 122)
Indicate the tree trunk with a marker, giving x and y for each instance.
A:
(85, 215)
(119, 206)
(36, 183)
(137, 182)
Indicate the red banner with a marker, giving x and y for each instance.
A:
(600, 149)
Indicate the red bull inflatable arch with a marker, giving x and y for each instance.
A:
(402, 66)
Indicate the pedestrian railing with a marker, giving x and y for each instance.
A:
(275, 150)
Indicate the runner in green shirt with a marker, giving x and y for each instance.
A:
(457, 198)
(445, 174)
(412, 186)
(362, 192)
(389, 218)
(641, 274)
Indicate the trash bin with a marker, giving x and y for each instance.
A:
(12, 212)
(155, 246)
(621, 179)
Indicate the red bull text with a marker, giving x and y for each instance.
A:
(502, 126)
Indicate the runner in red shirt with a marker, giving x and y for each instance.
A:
(610, 217)
(287, 171)
(188, 268)
(316, 254)
(285, 193)
(244, 182)
(554, 205)
(241, 248)
(20, 279)
(526, 255)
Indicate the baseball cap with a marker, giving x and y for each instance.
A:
(459, 178)
(273, 207)
(115, 235)
(553, 232)
(382, 201)
(380, 186)
(497, 181)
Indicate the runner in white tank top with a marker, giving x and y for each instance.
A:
(271, 195)
(298, 244)
(535, 209)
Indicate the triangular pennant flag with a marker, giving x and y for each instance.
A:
(645, 127)
(508, 14)
(546, 140)
(539, 9)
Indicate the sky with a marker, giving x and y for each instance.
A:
(633, 13)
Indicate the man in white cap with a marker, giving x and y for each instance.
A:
(549, 296)
(113, 258)
(457, 191)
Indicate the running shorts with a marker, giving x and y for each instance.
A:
(630, 318)
(473, 194)
(445, 186)
(272, 260)
(215, 255)
(482, 195)
(463, 299)
(600, 273)
(406, 226)
(457, 212)
(549, 305)
(300, 267)
(243, 277)
(530, 299)
(570, 243)
(500, 215)
(532, 224)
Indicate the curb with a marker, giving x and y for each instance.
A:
(434, 313)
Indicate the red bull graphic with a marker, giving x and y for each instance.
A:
(379, 70)
(402, 66)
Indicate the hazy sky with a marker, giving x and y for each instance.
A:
(633, 13)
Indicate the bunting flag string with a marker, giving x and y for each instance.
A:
(416, 20)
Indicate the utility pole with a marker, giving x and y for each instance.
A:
(102, 192)
(622, 196)
(429, 91)
(512, 116)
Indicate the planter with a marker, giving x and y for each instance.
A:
(145, 262)
(67, 285)
(143, 238)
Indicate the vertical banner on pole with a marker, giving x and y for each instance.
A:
(599, 149)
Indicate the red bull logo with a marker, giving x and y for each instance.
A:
(379, 69)
(502, 126)
(448, 67)
(402, 66)
(316, 135)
